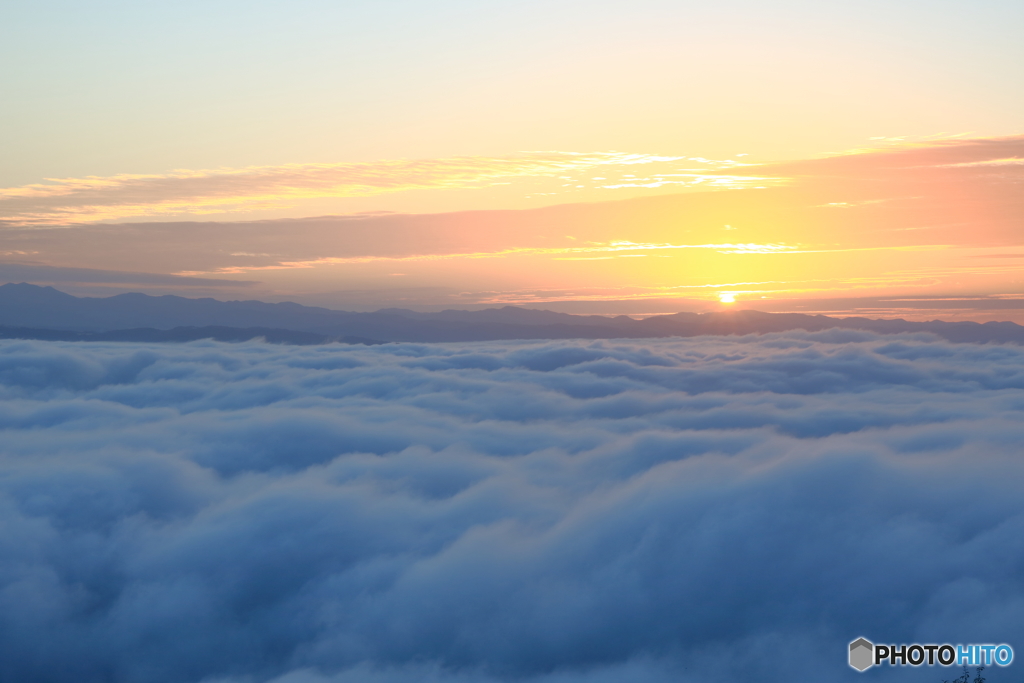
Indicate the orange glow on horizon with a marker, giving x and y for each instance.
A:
(910, 222)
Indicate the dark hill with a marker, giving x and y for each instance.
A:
(45, 311)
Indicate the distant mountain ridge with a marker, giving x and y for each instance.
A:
(185, 334)
(45, 311)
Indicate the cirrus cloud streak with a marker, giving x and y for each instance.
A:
(111, 198)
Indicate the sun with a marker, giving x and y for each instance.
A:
(727, 297)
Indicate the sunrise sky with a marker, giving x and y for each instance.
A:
(595, 157)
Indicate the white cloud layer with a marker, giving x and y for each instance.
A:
(708, 509)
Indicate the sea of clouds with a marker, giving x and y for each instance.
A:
(708, 509)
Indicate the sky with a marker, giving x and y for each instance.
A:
(712, 509)
(843, 158)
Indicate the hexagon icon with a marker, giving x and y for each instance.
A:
(862, 654)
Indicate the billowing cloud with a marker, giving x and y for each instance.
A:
(708, 509)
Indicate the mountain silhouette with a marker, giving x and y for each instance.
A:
(34, 312)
